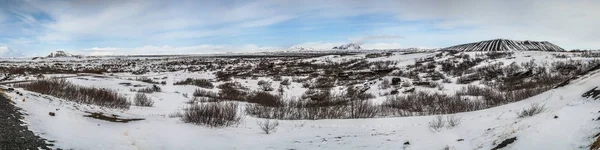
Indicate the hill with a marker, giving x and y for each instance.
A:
(506, 45)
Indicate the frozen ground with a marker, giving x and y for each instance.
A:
(567, 123)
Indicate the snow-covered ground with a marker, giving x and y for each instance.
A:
(567, 122)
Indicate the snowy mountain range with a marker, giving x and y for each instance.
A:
(59, 54)
(350, 46)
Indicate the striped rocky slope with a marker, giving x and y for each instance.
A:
(506, 45)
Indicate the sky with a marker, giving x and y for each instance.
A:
(38, 27)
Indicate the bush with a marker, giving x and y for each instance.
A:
(363, 109)
(286, 82)
(323, 82)
(219, 114)
(437, 124)
(533, 109)
(146, 80)
(306, 84)
(232, 91)
(406, 84)
(385, 84)
(141, 99)
(223, 76)
(265, 99)
(87, 95)
(332, 107)
(203, 83)
(423, 103)
(205, 93)
(152, 89)
(268, 126)
(453, 121)
(265, 85)
(316, 94)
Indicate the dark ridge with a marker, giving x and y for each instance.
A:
(506, 45)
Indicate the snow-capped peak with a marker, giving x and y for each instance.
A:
(350, 46)
(301, 49)
(61, 54)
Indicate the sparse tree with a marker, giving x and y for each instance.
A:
(268, 126)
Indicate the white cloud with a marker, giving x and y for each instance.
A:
(329, 45)
(8, 52)
(364, 39)
(382, 46)
(166, 49)
(267, 21)
(318, 45)
(571, 24)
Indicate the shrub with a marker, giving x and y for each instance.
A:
(265, 85)
(87, 95)
(534, 108)
(141, 99)
(296, 109)
(265, 99)
(363, 109)
(205, 93)
(423, 103)
(338, 106)
(268, 126)
(223, 76)
(437, 124)
(232, 91)
(406, 84)
(277, 78)
(146, 80)
(219, 114)
(203, 83)
(323, 82)
(385, 84)
(286, 82)
(152, 89)
(306, 84)
(453, 121)
(317, 94)
(203, 99)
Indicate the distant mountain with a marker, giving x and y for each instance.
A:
(350, 46)
(58, 54)
(506, 45)
(301, 49)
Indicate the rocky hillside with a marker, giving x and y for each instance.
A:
(506, 45)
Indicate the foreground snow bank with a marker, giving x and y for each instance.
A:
(566, 123)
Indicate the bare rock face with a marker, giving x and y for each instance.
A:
(506, 45)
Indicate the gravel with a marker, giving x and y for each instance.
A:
(12, 134)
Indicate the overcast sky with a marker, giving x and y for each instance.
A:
(36, 28)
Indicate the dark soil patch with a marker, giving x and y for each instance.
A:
(111, 118)
(505, 143)
(593, 93)
(12, 134)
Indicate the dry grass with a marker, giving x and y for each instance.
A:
(203, 83)
(87, 95)
(219, 114)
(141, 99)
